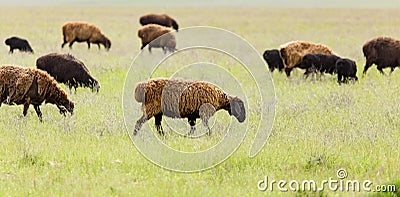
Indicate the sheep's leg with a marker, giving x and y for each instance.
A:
(11, 50)
(63, 44)
(62, 110)
(192, 122)
(391, 70)
(205, 122)
(139, 124)
(206, 111)
(71, 43)
(149, 48)
(339, 79)
(38, 112)
(381, 71)
(26, 106)
(88, 44)
(287, 71)
(158, 119)
(367, 65)
(98, 44)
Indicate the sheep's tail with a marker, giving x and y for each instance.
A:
(140, 92)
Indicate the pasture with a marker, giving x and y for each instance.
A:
(319, 126)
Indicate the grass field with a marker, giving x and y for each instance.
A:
(319, 126)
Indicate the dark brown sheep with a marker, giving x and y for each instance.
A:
(159, 19)
(28, 86)
(83, 32)
(382, 51)
(293, 52)
(179, 98)
(66, 69)
(157, 36)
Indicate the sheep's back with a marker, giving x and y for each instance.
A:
(384, 48)
(176, 97)
(294, 51)
(150, 32)
(79, 30)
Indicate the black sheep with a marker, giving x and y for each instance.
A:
(18, 43)
(274, 60)
(346, 69)
(66, 69)
(320, 62)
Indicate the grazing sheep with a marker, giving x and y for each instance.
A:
(18, 43)
(149, 34)
(293, 52)
(346, 69)
(159, 19)
(319, 62)
(66, 69)
(28, 86)
(273, 59)
(179, 98)
(84, 32)
(382, 51)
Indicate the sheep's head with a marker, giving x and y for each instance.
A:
(69, 106)
(273, 59)
(237, 108)
(175, 25)
(7, 42)
(96, 86)
(107, 43)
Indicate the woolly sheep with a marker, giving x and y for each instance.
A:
(66, 69)
(293, 52)
(84, 32)
(159, 19)
(28, 86)
(382, 51)
(18, 43)
(150, 35)
(179, 98)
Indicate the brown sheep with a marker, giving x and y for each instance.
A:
(179, 98)
(159, 19)
(149, 34)
(83, 32)
(293, 52)
(382, 51)
(27, 86)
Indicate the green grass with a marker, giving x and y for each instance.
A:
(319, 126)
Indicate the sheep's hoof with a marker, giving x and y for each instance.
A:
(135, 132)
